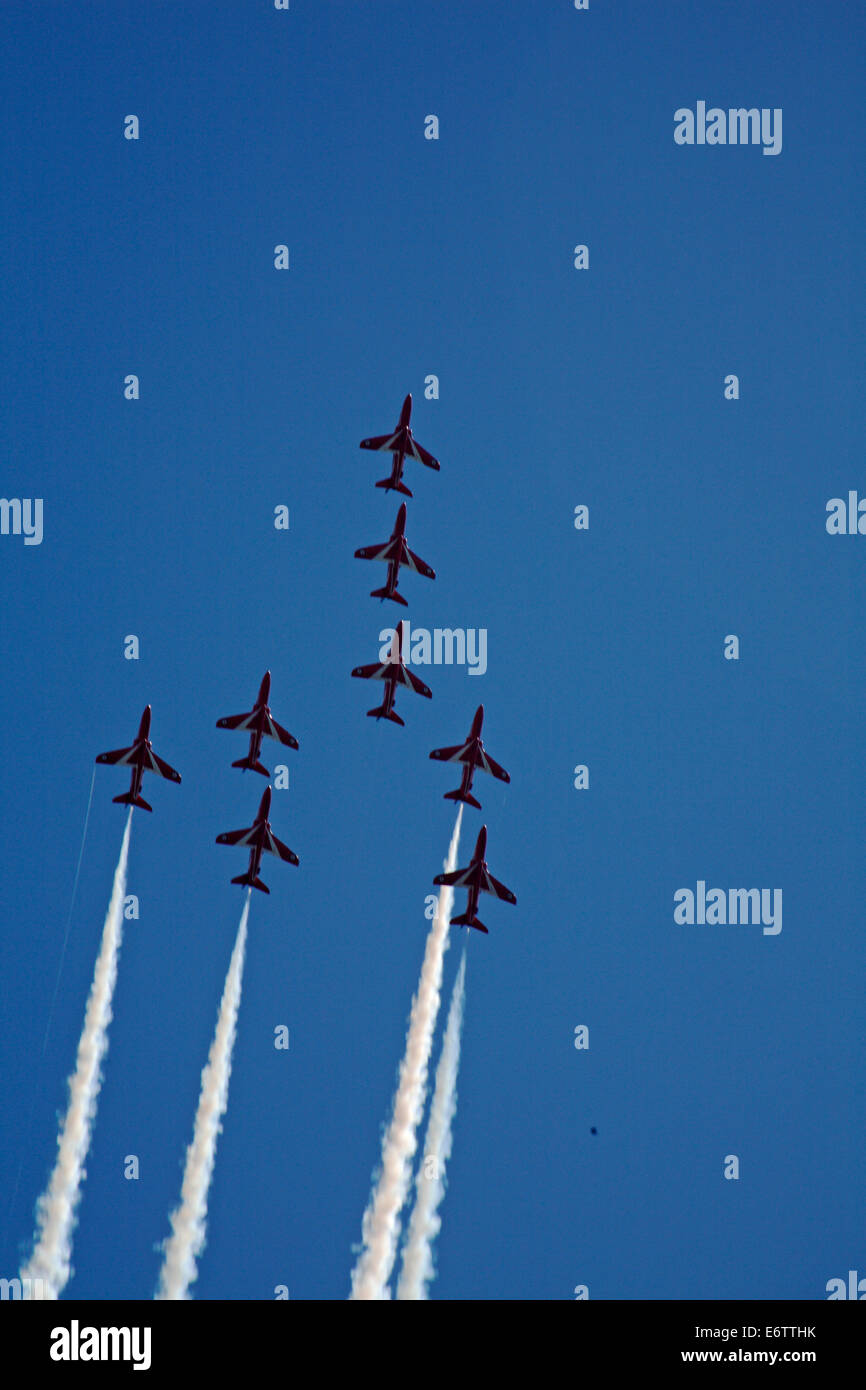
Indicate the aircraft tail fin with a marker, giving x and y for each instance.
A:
(466, 921)
(463, 796)
(387, 484)
(252, 765)
(382, 713)
(389, 593)
(249, 882)
(127, 799)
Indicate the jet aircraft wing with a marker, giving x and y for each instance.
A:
(460, 878)
(275, 846)
(385, 551)
(417, 451)
(488, 764)
(236, 837)
(380, 441)
(235, 721)
(118, 755)
(492, 885)
(451, 755)
(282, 735)
(158, 764)
(419, 566)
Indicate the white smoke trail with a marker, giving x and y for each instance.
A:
(381, 1225)
(189, 1219)
(56, 1209)
(425, 1221)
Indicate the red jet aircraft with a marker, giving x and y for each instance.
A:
(477, 879)
(402, 445)
(471, 754)
(259, 837)
(396, 552)
(393, 673)
(259, 722)
(141, 758)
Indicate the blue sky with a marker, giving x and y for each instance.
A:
(411, 257)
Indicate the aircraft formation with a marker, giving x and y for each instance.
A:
(476, 877)
(259, 723)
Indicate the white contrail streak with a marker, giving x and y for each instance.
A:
(189, 1219)
(56, 1208)
(381, 1224)
(425, 1221)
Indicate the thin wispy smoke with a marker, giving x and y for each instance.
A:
(189, 1219)
(36, 1090)
(381, 1225)
(56, 1208)
(425, 1221)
